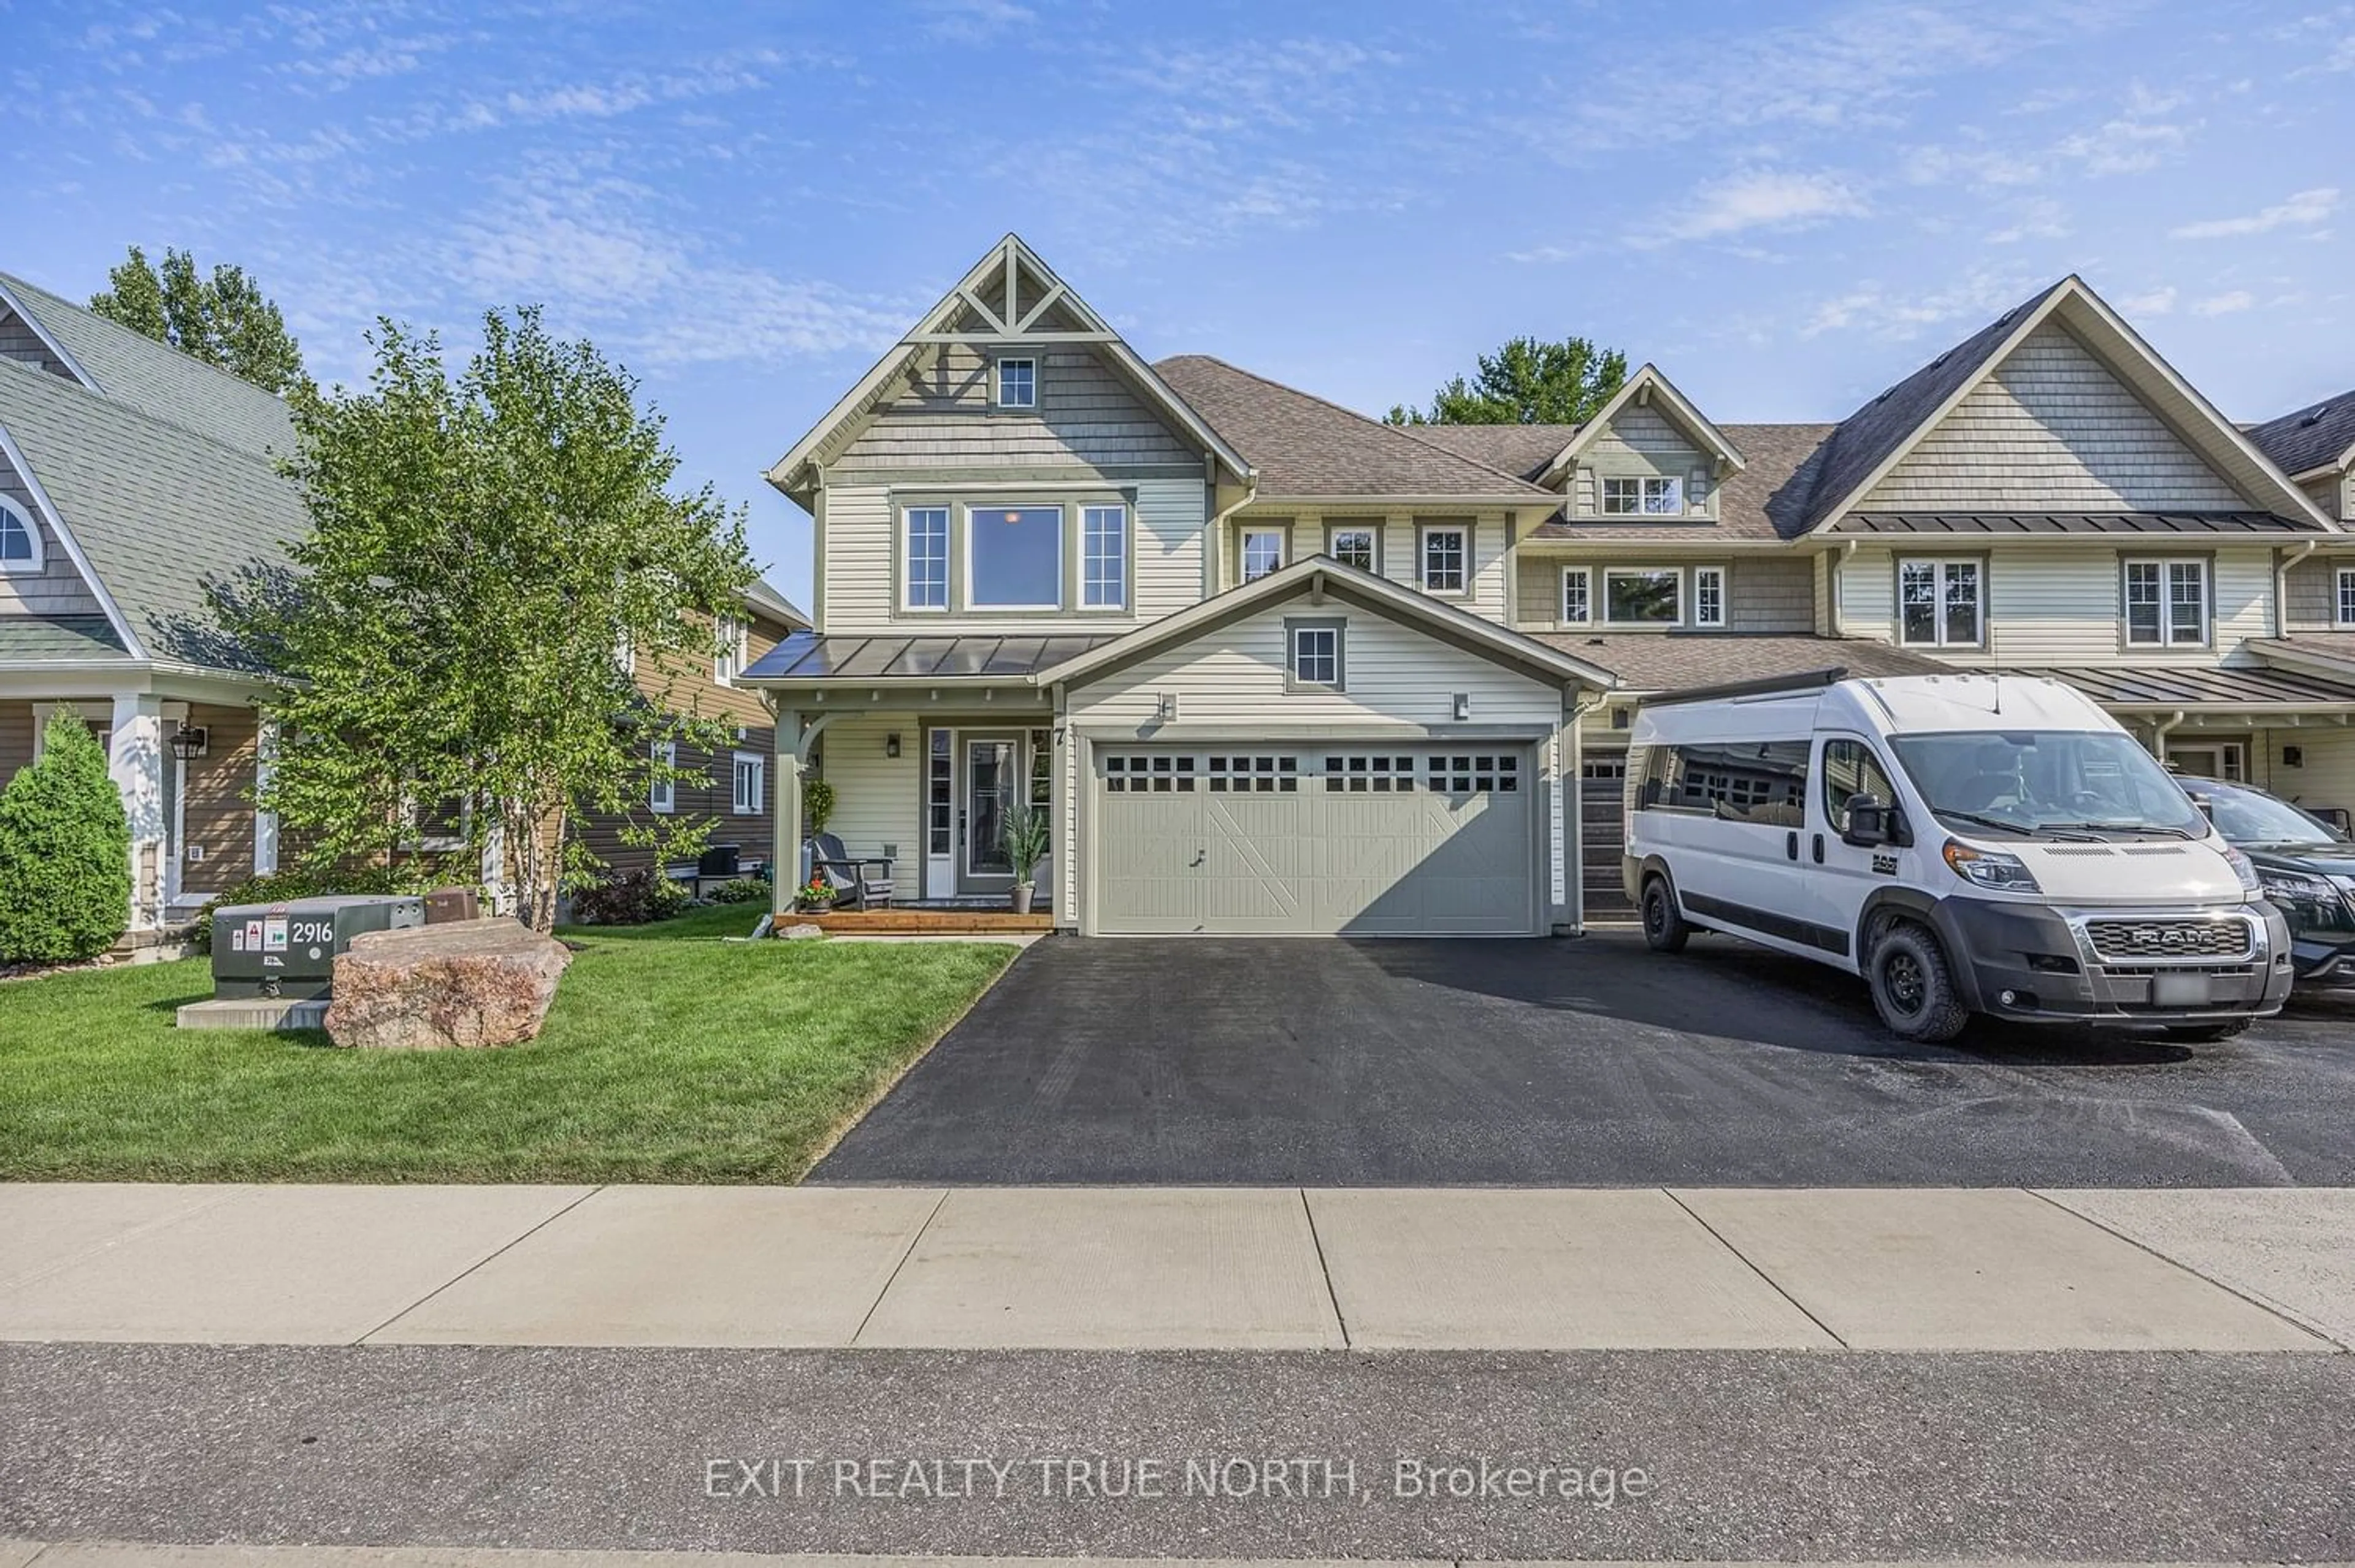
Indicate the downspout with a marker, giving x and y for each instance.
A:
(1834, 592)
(2158, 734)
(2282, 567)
(1214, 539)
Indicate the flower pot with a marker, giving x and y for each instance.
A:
(1023, 893)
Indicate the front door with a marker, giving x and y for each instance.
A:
(993, 781)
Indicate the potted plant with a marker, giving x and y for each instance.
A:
(1025, 837)
(816, 894)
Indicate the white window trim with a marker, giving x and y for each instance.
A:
(997, 383)
(1585, 575)
(735, 634)
(1724, 608)
(1242, 552)
(1644, 498)
(1603, 507)
(10, 511)
(662, 793)
(760, 766)
(1126, 535)
(2341, 581)
(1683, 597)
(907, 557)
(1422, 537)
(1294, 633)
(1940, 565)
(1063, 537)
(1371, 531)
(2165, 565)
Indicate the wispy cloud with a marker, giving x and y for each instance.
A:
(2159, 301)
(2043, 219)
(2140, 136)
(1878, 311)
(2228, 304)
(973, 21)
(1765, 200)
(2307, 209)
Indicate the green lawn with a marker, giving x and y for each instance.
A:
(669, 1056)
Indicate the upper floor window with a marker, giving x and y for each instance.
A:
(1316, 653)
(1939, 604)
(927, 558)
(20, 542)
(1641, 494)
(1709, 596)
(2345, 596)
(1104, 557)
(1013, 558)
(1018, 384)
(1263, 552)
(735, 639)
(1643, 596)
(1355, 545)
(1444, 565)
(1577, 595)
(2167, 604)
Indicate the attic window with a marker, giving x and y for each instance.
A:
(1018, 384)
(20, 544)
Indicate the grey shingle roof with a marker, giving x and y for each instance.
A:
(1303, 445)
(1521, 450)
(158, 379)
(58, 637)
(1677, 661)
(2316, 436)
(762, 597)
(1764, 499)
(158, 509)
(1867, 437)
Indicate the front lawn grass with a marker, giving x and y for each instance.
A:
(669, 1056)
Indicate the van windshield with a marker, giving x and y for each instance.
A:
(2059, 784)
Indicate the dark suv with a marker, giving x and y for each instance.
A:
(2307, 867)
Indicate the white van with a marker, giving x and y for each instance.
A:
(1967, 843)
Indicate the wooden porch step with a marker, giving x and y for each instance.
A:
(926, 922)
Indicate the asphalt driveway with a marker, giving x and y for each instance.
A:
(1570, 1062)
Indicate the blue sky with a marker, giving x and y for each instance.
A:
(1786, 206)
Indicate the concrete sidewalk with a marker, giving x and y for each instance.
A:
(1237, 1268)
(130, 1554)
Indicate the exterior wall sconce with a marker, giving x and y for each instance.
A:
(188, 741)
(1463, 706)
(1166, 707)
(891, 745)
(2293, 756)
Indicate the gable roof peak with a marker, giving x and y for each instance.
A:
(1647, 383)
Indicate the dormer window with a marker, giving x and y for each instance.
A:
(1644, 495)
(1018, 384)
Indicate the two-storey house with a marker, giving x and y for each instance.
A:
(1273, 667)
(131, 475)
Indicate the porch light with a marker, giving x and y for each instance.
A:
(1166, 707)
(188, 741)
(1463, 706)
(891, 745)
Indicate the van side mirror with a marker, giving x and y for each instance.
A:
(1871, 822)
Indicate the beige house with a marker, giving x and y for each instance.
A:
(1276, 667)
(130, 477)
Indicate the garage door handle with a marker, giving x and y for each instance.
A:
(1199, 855)
(1791, 844)
(1819, 849)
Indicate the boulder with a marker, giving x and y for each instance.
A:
(431, 987)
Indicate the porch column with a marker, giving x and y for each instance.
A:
(265, 822)
(136, 766)
(785, 779)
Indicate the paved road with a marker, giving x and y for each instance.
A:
(1584, 1062)
(1749, 1456)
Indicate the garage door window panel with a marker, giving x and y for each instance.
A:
(1149, 773)
(1254, 774)
(1382, 774)
(1475, 773)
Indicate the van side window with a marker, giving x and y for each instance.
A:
(1750, 781)
(1850, 770)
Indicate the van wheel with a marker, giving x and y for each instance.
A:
(2208, 1034)
(1912, 990)
(1664, 925)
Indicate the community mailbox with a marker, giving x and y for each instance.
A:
(289, 949)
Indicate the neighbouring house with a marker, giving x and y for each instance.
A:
(1278, 668)
(131, 475)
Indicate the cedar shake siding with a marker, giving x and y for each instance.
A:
(19, 341)
(57, 589)
(1763, 593)
(942, 418)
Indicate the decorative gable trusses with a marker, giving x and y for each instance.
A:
(1870, 445)
(1010, 299)
(1646, 388)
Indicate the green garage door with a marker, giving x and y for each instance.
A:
(1399, 841)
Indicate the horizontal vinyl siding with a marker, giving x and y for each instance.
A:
(2064, 605)
(57, 589)
(861, 545)
(689, 683)
(2326, 776)
(2052, 430)
(878, 799)
(1489, 572)
(709, 798)
(2314, 595)
(940, 415)
(216, 807)
(1236, 676)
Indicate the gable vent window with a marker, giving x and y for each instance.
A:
(1017, 383)
(20, 545)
